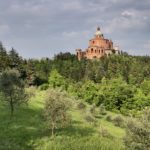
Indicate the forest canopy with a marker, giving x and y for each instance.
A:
(120, 82)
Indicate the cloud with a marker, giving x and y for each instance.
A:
(128, 20)
(4, 29)
(70, 34)
(127, 14)
(72, 5)
(72, 23)
(28, 8)
(147, 45)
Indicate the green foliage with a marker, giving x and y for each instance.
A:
(44, 86)
(138, 132)
(93, 110)
(4, 59)
(102, 110)
(119, 82)
(90, 119)
(145, 86)
(116, 92)
(81, 106)
(88, 92)
(55, 110)
(109, 118)
(12, 88)
(104, 132)
(56, 80)
(80, 143)
(31, 91)
(118, 121)
(27, 131)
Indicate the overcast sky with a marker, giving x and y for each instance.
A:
(42, 28)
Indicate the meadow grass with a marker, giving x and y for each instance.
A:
(27, 130)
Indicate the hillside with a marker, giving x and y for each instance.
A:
(26, 130)
(66, 104)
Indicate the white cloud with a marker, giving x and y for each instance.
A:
(128, 20)
(127, 13)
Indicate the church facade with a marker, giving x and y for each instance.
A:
(98, 47)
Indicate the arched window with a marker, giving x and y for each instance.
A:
(91, 50)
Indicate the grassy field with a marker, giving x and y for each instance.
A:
(27, 130)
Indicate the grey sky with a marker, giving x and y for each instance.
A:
(42, 28)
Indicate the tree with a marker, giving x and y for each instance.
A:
(88, 92)
(12, 88)
(116, 92)
(56, 80)
(15, 59)
(55, 111)
(3, 58)
(145, 86)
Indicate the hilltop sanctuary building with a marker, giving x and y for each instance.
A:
(98, 47)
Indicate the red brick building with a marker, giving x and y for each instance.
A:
(98, 47)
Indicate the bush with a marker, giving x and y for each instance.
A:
(44, 87)
(93, 110)
(104, 133)
(138, 132)
(109, 118)
(90, 119)
(81, 105)
(118, 121)
(31, 91)
(102, 110)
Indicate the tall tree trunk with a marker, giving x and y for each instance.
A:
(11, 106)
(53, 127)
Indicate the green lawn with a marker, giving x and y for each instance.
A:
(27, 130)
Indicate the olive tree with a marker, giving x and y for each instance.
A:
(12, 89)
(56, 109)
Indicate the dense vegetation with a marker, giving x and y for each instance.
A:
(120, 82)
(81, 100)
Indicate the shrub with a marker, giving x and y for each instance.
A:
(81, 105)
(102, 110)
(93, 110)
(109, 118)
(44, 87)
(31, 91)
(138, 132)
(90, 119)
(118, 121)
(104, 133)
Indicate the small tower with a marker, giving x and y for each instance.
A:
(79, 54)
(98, 33)
(117, 49)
